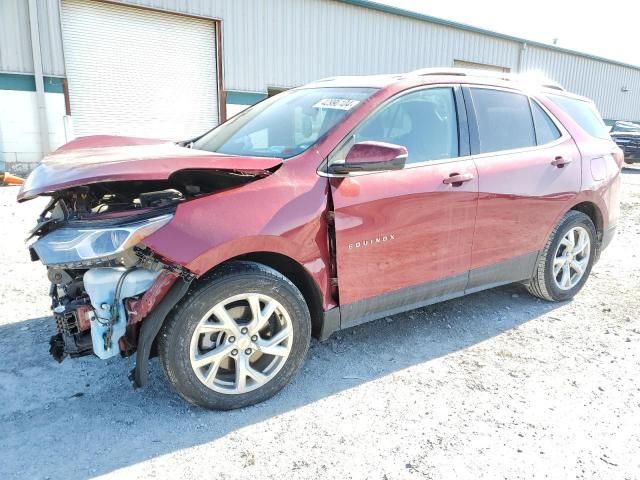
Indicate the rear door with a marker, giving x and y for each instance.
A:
(528, 172)
(403, 238)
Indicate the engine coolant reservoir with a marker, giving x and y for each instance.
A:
(100, 284)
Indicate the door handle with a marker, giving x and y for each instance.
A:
(457, 179)
(560, 162)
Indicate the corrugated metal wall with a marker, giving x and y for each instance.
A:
(284, 43)
(50, 38)
(601, 81)
(15, 37)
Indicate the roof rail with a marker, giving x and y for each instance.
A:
(467, 72)
(440, 71)
(553, 85)
(325, 79)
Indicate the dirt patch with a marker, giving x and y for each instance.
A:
(494, 385)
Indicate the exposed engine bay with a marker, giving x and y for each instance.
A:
(117, 199)
(99, 310)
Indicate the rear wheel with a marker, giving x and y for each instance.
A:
(237, 339)
(566, 260)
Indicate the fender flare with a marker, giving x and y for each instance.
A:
(150, 328)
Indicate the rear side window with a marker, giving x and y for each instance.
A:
(584, 113)
(546, 130)
(504, 120)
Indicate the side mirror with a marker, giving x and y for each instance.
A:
(372, 157)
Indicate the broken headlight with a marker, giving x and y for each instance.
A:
(77, 245)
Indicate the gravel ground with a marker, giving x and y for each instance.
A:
(494, 385)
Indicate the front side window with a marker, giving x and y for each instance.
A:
(284, 125)
(504, 120)
(584, 113)
(423, 121)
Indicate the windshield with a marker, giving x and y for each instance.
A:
(284, 125)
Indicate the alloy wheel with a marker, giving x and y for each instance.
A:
(241, 343)
(572, 258)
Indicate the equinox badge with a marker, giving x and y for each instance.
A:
(367, 243)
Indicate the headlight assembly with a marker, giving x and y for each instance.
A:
(78, 245)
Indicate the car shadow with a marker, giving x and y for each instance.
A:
(631, 170)
(89, 420)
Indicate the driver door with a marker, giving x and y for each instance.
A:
(404, 237)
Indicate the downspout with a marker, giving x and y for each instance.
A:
(37, 71)
(523, 48)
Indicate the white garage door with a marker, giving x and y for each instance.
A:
(138, 72)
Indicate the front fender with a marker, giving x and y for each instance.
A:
(283, 213)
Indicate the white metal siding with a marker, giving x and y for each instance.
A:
(50, 38)
(283, 43)
(137, 72)
(15, 37)
(600, 81)
(479, 66)
(286, 43)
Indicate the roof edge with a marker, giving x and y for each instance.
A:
(470, 28)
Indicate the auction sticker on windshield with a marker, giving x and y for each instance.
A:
(337, 103)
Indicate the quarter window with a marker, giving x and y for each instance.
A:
(584, 113)
(546, 130)
(424, 122)
(504, 120)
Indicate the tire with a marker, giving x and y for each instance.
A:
(182, 350)
(544, 284)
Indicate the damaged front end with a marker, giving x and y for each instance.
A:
(110, 293)
(105, 283)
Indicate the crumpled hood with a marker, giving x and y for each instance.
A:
(98, 159)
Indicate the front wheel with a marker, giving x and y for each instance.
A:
(237, 339)
(566, 260)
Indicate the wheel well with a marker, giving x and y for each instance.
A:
(298, 276)
(593, 212)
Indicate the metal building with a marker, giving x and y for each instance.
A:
(174, 68)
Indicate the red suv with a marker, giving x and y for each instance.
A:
(318, 209)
